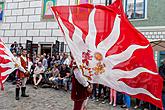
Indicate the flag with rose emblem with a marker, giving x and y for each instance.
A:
(110, 51)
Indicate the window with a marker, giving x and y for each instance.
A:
(1, 10)
(135, 9)
(108, 2)
(82, 1)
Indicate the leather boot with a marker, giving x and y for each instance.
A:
(23, 89)
(17, 93)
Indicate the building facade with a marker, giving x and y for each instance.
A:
(22, 20)
(148, 17)
(32, 20)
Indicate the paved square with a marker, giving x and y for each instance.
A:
(43, 99)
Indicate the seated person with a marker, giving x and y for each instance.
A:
(63, 76)
(32, 72)
(54, 73)
(38, 71)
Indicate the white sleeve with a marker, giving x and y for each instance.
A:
(22, 69)
(18, 60)
(36, 70)
(29, 65)
(67, 61)
(43, 69)
(80, 78)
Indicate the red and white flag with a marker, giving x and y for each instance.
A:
(8, 63)
(110, 51)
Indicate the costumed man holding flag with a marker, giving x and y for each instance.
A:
(22, 76)
(80, 89)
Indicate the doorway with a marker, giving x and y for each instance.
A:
(46, 48)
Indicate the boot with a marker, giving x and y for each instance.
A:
(17, 93)
(23, 89)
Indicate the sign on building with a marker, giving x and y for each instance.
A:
(47, 13)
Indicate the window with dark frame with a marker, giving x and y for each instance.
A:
(108, 2)
(135, 9)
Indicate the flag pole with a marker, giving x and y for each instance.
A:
(1, 83)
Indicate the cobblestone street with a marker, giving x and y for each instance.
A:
(117, 46)
(43, 99)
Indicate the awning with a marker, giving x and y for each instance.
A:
(158, 45)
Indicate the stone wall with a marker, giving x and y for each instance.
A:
(22, 21)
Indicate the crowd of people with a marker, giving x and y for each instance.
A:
(56, 71)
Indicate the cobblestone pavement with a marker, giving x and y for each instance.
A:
(43, 99)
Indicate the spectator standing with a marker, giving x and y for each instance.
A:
(38, 59)
(30, 63)
(94, 92)
(66, 59)
(62, 58)
(20, 48)
(52, 62)
(34, 57)
(49, 59)
(112, 97)
(16, 47)
(57, 59)
(127, 102)
(137, 104)
(12, 49)
(100, 88)
(44, 61)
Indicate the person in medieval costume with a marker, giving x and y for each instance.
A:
(21, 77)
(80, 89)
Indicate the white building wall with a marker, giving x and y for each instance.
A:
(22, 21)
